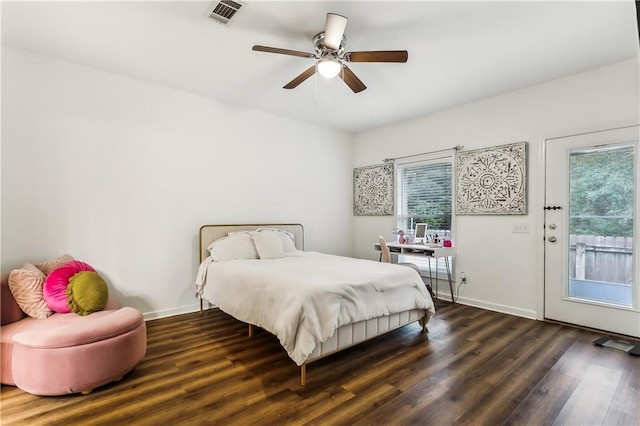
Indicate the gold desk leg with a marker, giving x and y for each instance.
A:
(250, 330)
(303, 374)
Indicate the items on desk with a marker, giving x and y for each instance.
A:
(421, 236)
(402, 239)
(421, 232)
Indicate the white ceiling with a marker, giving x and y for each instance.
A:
(458, 51)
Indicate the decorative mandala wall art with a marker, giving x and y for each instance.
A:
(373, 190)
(492, 180)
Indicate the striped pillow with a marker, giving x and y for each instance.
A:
(50, 266)
(26, 286)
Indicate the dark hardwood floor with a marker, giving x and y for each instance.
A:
(473, 367)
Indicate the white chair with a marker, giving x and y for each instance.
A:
(385, 256)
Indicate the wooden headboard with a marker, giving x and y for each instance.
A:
(210, 233)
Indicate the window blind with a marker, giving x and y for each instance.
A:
(425, 196)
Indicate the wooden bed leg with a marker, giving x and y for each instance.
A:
(303, 374)
(250, 330)
(201, 307)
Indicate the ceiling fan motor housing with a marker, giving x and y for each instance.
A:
(322, 51)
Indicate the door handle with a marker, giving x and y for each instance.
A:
(552, 239)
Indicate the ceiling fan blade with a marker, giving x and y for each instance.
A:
(377, 56)
(334, 30)
(352, 81)
(283, 51)
(302, 77)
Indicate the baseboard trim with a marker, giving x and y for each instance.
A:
(188, 309)
(524, 313)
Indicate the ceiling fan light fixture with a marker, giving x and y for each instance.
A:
(329, 67)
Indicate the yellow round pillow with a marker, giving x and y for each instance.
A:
(87, 292)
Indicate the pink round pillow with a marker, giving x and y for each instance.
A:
(54, 290)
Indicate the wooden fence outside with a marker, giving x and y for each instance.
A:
(597, 258)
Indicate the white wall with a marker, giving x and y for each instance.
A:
(504, 269)
(121, 174)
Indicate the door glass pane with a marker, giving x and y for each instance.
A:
(601, 184)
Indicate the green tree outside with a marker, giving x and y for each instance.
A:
(602, 193)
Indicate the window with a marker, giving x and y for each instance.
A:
(425, 196)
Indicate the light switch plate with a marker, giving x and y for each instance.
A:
(520, 228)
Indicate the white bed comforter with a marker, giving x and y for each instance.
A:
(304, 297)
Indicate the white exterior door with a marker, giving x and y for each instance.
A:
(591, 230)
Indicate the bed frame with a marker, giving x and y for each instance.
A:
(346, 336)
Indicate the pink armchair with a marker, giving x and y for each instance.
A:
(68, 353)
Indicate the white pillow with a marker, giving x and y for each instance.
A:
(288, 240)
(237, 246)
(268, 244)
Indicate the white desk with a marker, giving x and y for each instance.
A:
(429, 250)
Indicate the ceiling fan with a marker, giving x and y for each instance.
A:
(330, 55)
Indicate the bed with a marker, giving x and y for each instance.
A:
(316, 304)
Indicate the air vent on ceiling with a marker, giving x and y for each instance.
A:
(225, 10)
